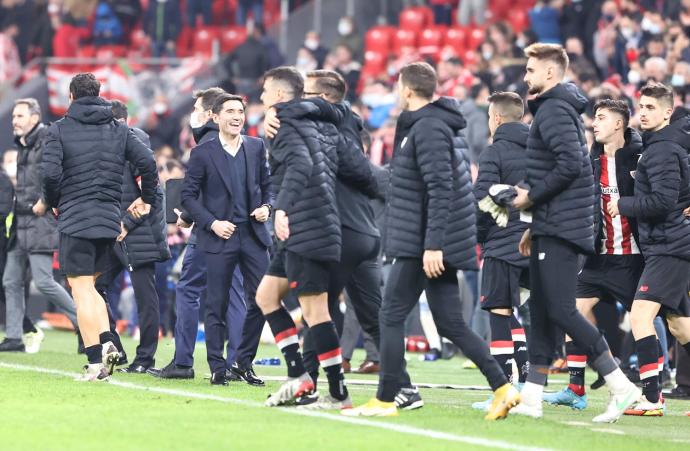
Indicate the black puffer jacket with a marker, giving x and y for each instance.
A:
(430, 204)
(304, 163)
(559, 171)
(34, 233)
(662, 191)
(502, 162)
(6, 196)
(146, 240)
(83, 162)
(626, 163)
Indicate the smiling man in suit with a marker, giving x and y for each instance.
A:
(232, 175)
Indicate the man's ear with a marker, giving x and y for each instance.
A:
(215, 118)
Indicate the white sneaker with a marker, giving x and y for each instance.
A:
(290, 391)
(94, 373)
(328, 402)
(618, 404)
(110, 356)
(528, 410)
(32, 341)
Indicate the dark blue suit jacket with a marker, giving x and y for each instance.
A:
(207, 175)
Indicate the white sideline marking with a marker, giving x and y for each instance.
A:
(608, 431)
(400, 428)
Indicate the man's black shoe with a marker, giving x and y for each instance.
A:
(219, 379)
(232, 377)
(12, 345)
(133, 369)
(247, 374)
(122, 360)
(679, 392)
(172, 371)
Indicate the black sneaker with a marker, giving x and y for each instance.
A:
(122, 360)
(308, 399)
(12, 345)
(409, 399)
(172, 371)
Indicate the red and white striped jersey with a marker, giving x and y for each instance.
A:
(618, 238)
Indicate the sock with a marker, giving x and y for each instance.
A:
(538, 374)
(661, 365)
(648, 356)
(502, 342)
(106, 337)
(577, 361)
(531, 394)
(519, 348)
(28, 326)
(94, 354)
(330, 358)
(314, 377)
(285, 333)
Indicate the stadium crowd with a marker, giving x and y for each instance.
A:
(614, 48)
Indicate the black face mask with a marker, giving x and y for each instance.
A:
(686, 30)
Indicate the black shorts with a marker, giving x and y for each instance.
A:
(304, 275)
(666, 280)
(610, 278)
(501, 284)
(84, 257)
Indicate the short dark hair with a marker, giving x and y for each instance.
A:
(84, 85)
(208, 96)
(421, 78)
(288, 75)
(550, 52)
(329, 82)
(619, 107)
(225, 97)
(508, 105)
(119, 110)
(658, 91)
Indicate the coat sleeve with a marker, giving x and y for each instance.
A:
(663, 173)
(291, 150)
(51, 166)
(560, 133)
(354, 169)
(489, 174)
(191, 188)
(265, 177)
(434, 160)
(141, 157)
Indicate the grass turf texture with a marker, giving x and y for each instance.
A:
(51, 411)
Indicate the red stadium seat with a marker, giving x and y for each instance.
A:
(502, 8)
(374, 63)
(470, 58)
(456, 37)
(475, 38)
(232, 37)
(203, 41)
(379, 39)
(431, 37)
(183, 46)
(404, 38)
(413, 19)
(519, 20)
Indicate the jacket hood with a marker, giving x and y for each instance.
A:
(633, 144)
(446, 109)
(564, 91)
(677, 131)
(31, 137)
(314, 108)
(91, 110)
(515, 132)
(200, 132)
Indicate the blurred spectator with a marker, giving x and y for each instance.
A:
(475, 109)
(656, 68)
(610, 53)
(312, 41)
(450, 74)
(579, 63)
(78, 12)
(349, 35)
(162, 23)
(10, 65)
(107, 29)
(545, 17)
(20, 14)
(305, 61)
(348, 68)
(203, 8)
(472, 9)
(273, 54)
(9, 164)
(579, 18)
(443, 10)
(247, 64)
(162, 129)
(243, 8)
(129, 14)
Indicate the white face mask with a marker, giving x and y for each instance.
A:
(311, 44)
(11, 170)
(677, 80)
(160, 108)
(634, 77)
(194, 120)
(344, 27)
